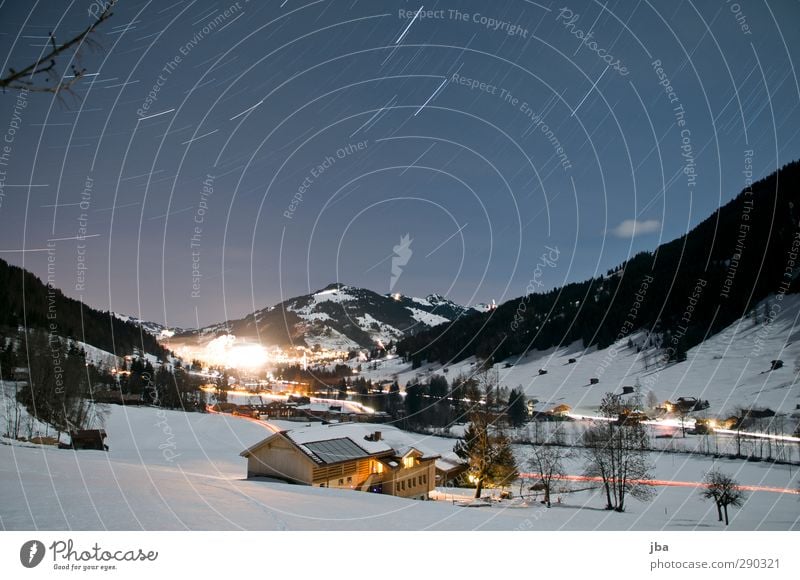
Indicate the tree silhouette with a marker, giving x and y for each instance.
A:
(724, 491)
(27, 78)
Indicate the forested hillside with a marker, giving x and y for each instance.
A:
(26, 301)
(685, 290)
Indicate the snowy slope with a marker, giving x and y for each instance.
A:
(170, 470)
(337, 317)
(158, 330)
(729, 369)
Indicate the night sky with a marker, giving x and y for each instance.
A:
(218, 157)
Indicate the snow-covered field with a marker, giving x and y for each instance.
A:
(169, 470)
(730, 368)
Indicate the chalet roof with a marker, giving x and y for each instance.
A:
(327, 444)
(333, 450)
(406, 451)
(448, 464)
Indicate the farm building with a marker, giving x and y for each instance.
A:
(349, 456)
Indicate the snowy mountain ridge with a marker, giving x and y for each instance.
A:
(158, 330)
(336, 317)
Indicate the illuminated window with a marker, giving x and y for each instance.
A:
(377, 467)
(408, 462)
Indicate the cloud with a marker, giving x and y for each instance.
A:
(630, 228)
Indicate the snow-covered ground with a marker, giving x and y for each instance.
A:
(731, 368)
(174, 470)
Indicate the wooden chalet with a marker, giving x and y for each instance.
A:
(345, 456)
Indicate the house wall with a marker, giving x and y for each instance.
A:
(412, 482)
(346, 475)
(279, 458)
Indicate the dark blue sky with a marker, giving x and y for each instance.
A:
(242, 153)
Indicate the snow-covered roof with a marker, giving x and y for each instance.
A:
(448, 464)
(355, 432)
(341, 441)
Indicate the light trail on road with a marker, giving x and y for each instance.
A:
(665, 483)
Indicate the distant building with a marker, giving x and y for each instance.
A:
(350, 456)
(340, 412)
(561, 410)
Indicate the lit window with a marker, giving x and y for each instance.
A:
(408, 462)
(377, 467)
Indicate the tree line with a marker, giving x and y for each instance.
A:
(28, 302)
(52, 378)
(615, 453)
(708, 271)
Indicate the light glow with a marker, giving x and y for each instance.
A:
(228, 351)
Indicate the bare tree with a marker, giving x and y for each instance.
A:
(596, 441)
(617, 453)
(651, 400)
(58, 391)
(27, 78)
(611, 405)
(12, 410)
(548, 462)
(724, 490)
(683, 412)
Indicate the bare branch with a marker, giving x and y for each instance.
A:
(24, 79)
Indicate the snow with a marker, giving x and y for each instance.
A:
(168, 470)
(330, 339)
(316, 316)
(427, 318)
(317, 403)
(12, 413)
(158, 330)
(99, 356)
(391, 437)
(729, 369)
(333, 295)
(174, 470)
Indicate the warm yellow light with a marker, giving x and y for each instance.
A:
(228, 351)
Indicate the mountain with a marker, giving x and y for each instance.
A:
(27, 302)
(680, 294)
(158, 330)
(337, 317)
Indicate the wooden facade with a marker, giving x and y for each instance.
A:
(410, 474)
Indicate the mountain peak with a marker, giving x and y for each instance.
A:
(333, 286)
(340, 317)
